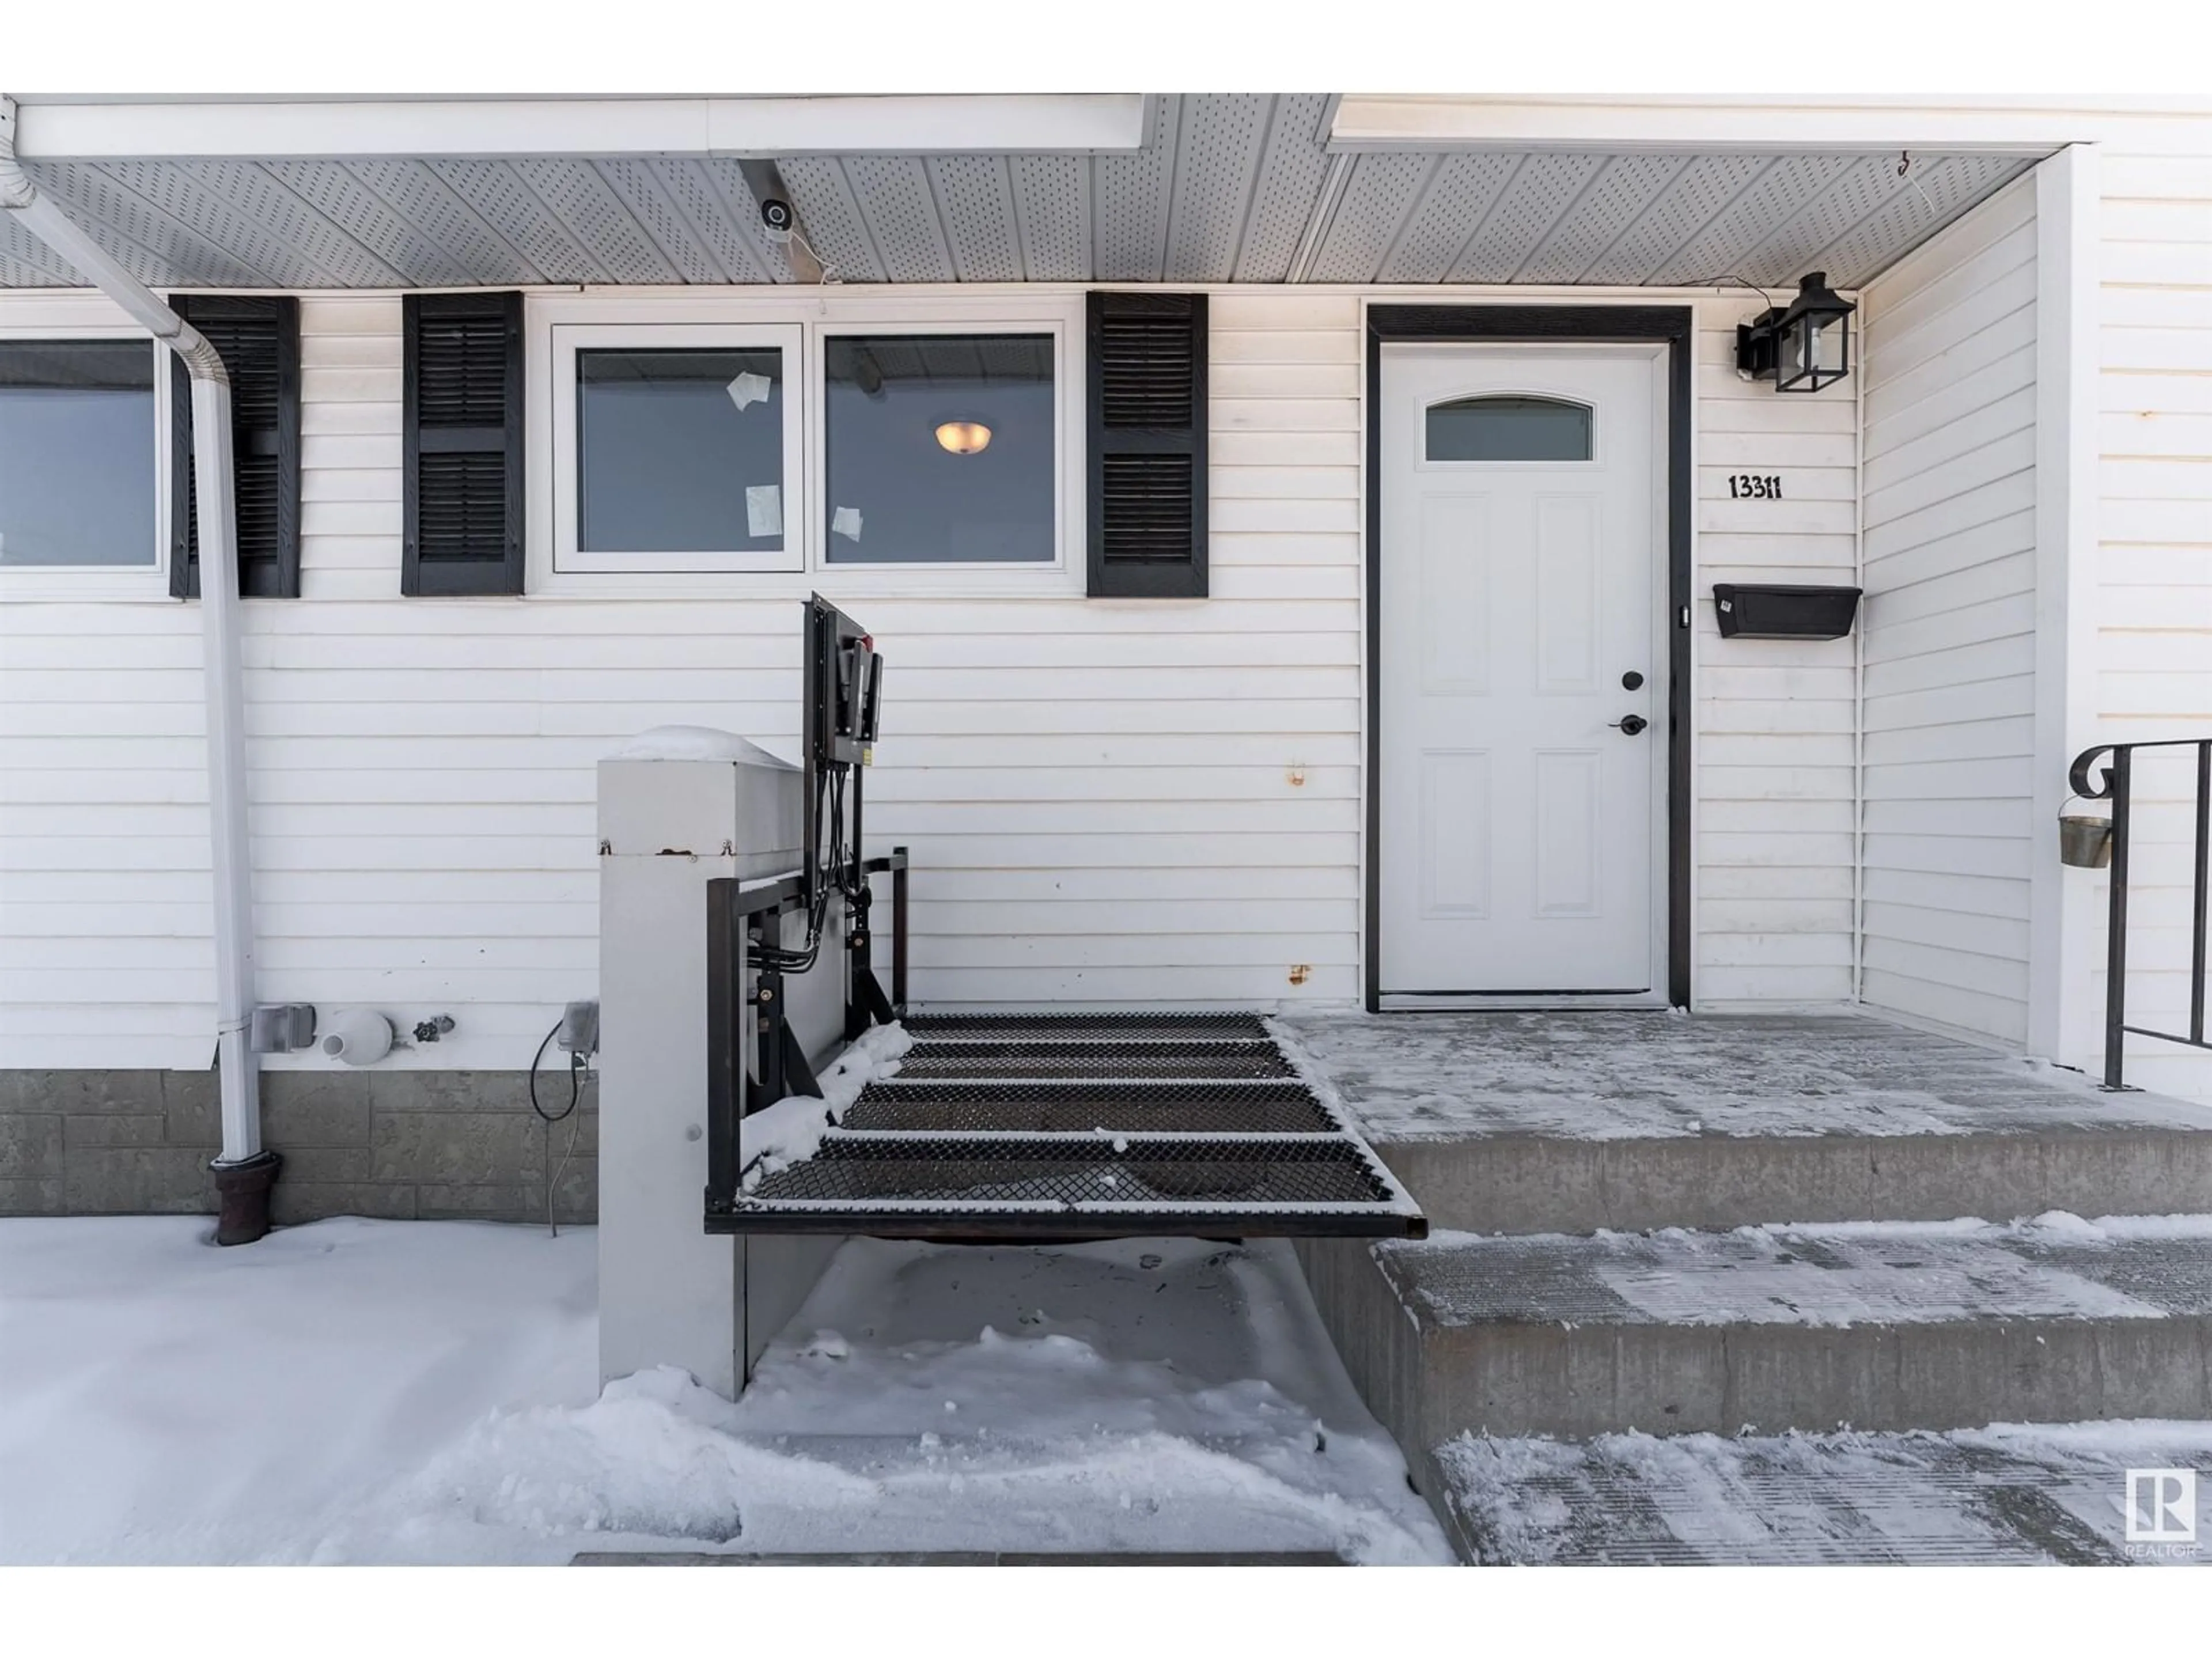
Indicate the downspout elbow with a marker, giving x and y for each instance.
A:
(43, 217)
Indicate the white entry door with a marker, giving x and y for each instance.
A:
(1523, 672)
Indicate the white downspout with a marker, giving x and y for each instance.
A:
(219, 632)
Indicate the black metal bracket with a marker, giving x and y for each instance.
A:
(742, 917)
(2117, 784)
(865, 1002)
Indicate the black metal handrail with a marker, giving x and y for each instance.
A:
(740, 916)
(2116, 785)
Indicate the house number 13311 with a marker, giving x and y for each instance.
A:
(1755, 487)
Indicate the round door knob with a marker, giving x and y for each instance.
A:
(1631, 724)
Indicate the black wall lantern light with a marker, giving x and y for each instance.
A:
(1803, 348)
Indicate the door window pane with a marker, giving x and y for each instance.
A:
(679, 451)
(77, 452)
(1509, 429)
(941, 448)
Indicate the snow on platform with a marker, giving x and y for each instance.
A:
(418, 1391)
(1631, 1075)
(2003, 1494)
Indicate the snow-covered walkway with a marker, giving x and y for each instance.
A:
(369, 1391)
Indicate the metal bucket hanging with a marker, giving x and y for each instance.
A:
(2084, 842)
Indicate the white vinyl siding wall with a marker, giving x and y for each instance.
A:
(1774, 718)
(1100, 795)
(1949, 367)
(2153, 658)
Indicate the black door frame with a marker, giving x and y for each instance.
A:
(1506, 325)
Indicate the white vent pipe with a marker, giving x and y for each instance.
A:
(219, 630)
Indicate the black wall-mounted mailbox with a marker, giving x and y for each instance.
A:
(1767, 612)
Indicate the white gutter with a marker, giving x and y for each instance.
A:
(218, 630)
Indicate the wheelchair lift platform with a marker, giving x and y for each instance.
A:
(1077, 1126)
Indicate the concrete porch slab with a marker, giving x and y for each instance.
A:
(1570, 1121)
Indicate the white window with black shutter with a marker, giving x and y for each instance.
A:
(1147, 445)
(258, 337)
(462, 428)
(773, 442)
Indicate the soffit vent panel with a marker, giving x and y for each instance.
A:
(1377, 200)
(1676, 213)
(1052, 216)
(428, 204)
(655, 212)
(701, 193)
(976, 204)
(148, 243)
(1293, 169)
(1951, 186)
(1129, 195)
(1543, 194)
(1223, 139)
(180, 198)
(1724, 242)
(497, 195)
(596, 216)
(829, 216)
(1624, 186)
(893, 191)
(342, 198)
(1459, 196)
(1227, 188)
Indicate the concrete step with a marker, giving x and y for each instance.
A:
(1570, 1122)
(1714, 1177)
(2034, 1494)
(1872, 1326)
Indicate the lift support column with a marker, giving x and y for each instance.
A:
(677, 810)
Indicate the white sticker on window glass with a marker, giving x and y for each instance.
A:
(846, 522)
(747, 390)
(764, 510)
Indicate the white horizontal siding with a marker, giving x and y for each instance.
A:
(2153, 658)
(1106, 802)
(1774, 718)
(1946, 824)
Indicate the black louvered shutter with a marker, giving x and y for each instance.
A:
(463, 426)
(1148, 445)
(257, 338)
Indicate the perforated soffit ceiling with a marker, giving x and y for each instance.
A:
(1226, 189)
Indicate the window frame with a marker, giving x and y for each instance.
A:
(818, 447)
(571, 339)
(605, 319)
(80, 582)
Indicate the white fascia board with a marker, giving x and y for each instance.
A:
(316, 129)
(2022, 125)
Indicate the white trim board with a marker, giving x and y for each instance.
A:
(2033, 126)
(304, 129)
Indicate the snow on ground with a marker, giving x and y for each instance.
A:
(417, 1391)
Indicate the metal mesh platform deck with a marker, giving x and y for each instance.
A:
(1175, 1058)
(1269, 1106)
(1086, 1125)
(1077, 1028)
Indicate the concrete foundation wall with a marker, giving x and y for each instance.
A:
(407, 1144)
